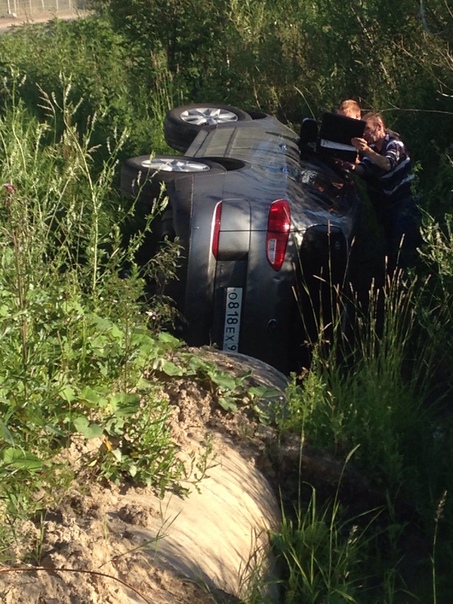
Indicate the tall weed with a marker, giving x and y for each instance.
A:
(376, 402)
(381, 399)
(75, 338)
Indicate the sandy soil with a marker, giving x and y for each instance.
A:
(102, 544)
(110, 544)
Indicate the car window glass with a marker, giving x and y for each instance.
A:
(328, 188)
(321, 181)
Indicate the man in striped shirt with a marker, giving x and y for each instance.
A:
(387, 169)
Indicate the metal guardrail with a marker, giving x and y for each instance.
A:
(32, 7)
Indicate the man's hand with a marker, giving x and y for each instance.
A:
(381, 161)
(360, 144)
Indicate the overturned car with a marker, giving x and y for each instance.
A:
(265, 218)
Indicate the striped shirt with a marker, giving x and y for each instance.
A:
(392, 185)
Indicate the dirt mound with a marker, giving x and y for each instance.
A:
(117, 545)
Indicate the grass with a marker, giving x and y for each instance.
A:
(377, 401)
(79, 347)
(321, 552)
(75, 339)
(75, 359)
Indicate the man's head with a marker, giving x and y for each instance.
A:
(350, 108)
(374, 130)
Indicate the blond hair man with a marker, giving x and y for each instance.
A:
(350, 108)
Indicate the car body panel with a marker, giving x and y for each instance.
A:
(274, 170)
(263, 164)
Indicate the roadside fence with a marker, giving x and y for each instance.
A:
(20, 8)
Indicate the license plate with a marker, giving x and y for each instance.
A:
(232, 325)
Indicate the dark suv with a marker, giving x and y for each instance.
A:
(265, 222)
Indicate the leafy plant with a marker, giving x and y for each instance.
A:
(75, 335)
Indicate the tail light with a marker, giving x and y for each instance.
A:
(278, 226)
(216, 229)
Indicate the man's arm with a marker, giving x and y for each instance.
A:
(381, 161)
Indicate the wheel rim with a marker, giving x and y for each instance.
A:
(174, 165)
(208, 116)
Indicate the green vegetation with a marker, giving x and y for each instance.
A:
(75, 340)
(380, 415)
(82, 348)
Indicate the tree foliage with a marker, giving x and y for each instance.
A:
(132, 61)
(300, 57)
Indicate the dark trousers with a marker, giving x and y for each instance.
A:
(401, 223)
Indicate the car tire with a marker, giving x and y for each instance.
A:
(182, 124)
(142, 177)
